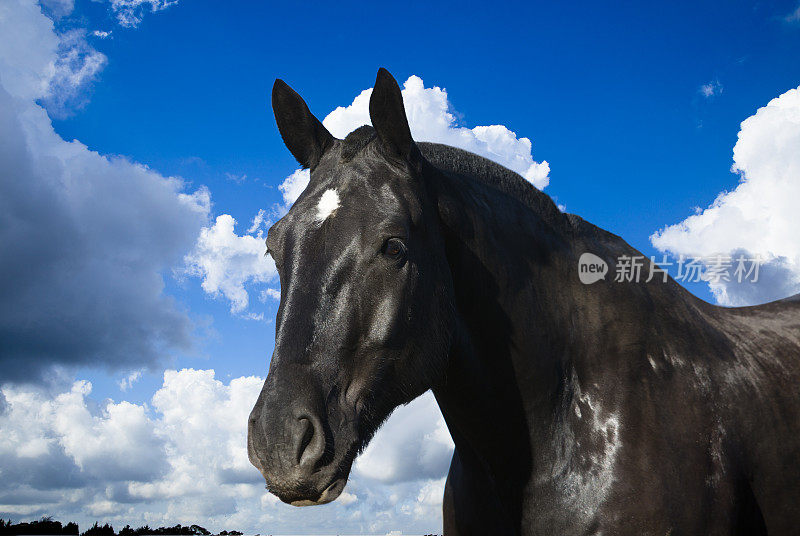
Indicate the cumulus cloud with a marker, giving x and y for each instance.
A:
(759, 216)
(432, 118)
(227, 262)
(413, 444)
(85, 237)
(119, 443)
(65, 443)
(182, 457)
(119, 455)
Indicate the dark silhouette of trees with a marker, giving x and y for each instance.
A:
(97, 530)
(47, 526)
(192, 530)
(127, 531)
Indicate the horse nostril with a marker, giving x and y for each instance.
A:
(305, 435)
(310, 442)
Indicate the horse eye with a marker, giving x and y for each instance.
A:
(393, 248)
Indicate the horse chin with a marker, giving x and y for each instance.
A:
(329, 495)
(308, 498)
(331, 479)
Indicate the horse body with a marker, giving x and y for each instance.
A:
(616, 408)
(611, 408)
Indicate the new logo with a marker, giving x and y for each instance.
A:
(591, 268)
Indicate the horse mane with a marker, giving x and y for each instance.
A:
(461, 162)
(457, 161)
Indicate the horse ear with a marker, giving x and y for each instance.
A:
(388, 116)
(303, 134)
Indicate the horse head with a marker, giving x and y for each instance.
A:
(366, 309)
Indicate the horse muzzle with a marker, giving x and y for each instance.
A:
(291, 443)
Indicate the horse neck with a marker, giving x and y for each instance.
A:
(507, 264)
(522, 325)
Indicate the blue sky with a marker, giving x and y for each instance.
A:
(635, 106)
(610, 96)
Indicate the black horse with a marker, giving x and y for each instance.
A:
(612, 408)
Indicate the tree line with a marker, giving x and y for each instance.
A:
(47, 525)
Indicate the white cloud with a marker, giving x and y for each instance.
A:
(258, 220)
(128, 381)
(759, 216)
(293, 186)
(176, 455)
(28, 49)
(413, 444)
(84, 237)
(131, 12)
(58, 8)
(227, 262)
(102, 34)
(37, 63)
(76, 442)
(205, 424)
(270, 293)
(77, 65)
(710, 89)
(431, 118)
(119, 443)
(182, 458)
